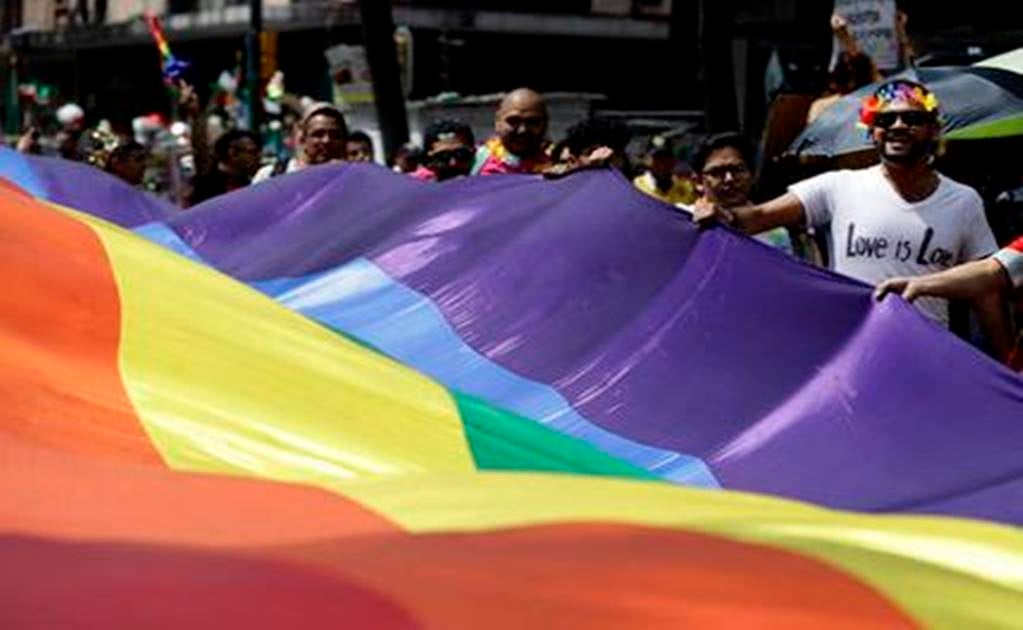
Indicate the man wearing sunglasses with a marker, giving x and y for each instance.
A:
(899, 218)
(449, 150)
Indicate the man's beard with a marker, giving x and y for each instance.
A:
(920, 151)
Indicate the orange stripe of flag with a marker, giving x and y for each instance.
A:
(44, 492)
(59, 330)
(607, 576)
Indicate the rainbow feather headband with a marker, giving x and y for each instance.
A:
(895, 92)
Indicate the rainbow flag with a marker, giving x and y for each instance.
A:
(178, 449)
(82, 187)
(702, 358)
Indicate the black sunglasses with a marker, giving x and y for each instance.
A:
(444, 157)
(912, 118)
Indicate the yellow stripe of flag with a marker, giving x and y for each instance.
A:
(225, 380)
(947, 573)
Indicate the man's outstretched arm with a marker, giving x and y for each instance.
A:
(780, 212)
(982, 283)
(970, 282)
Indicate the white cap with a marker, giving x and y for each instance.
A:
(70, 113)
(178, 128)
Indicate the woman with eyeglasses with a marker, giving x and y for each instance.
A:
(900, 218)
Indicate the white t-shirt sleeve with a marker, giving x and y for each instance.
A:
(1011, 258)
(263, 174)
(817, 195)
(980, 241)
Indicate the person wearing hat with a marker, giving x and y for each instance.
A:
(660, 180)
(322, 136)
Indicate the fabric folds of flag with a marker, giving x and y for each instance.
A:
(704, 359)
(82, 187)
(177, 449)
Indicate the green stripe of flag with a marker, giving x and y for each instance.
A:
(501, 440)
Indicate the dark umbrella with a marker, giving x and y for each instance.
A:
(976, 102)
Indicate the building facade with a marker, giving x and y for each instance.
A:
(641, 54)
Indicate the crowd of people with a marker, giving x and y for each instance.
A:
(900, 225)
(221, 155)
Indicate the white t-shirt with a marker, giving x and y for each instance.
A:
(267, 171)
(876, 234)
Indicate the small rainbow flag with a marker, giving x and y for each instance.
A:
(171, 67)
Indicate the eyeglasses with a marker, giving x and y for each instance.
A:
(720, 172)
(911, 118)
(464, 154)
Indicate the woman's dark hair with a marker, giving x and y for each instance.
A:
(726, 140)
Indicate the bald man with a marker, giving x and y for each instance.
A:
(520, 133)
